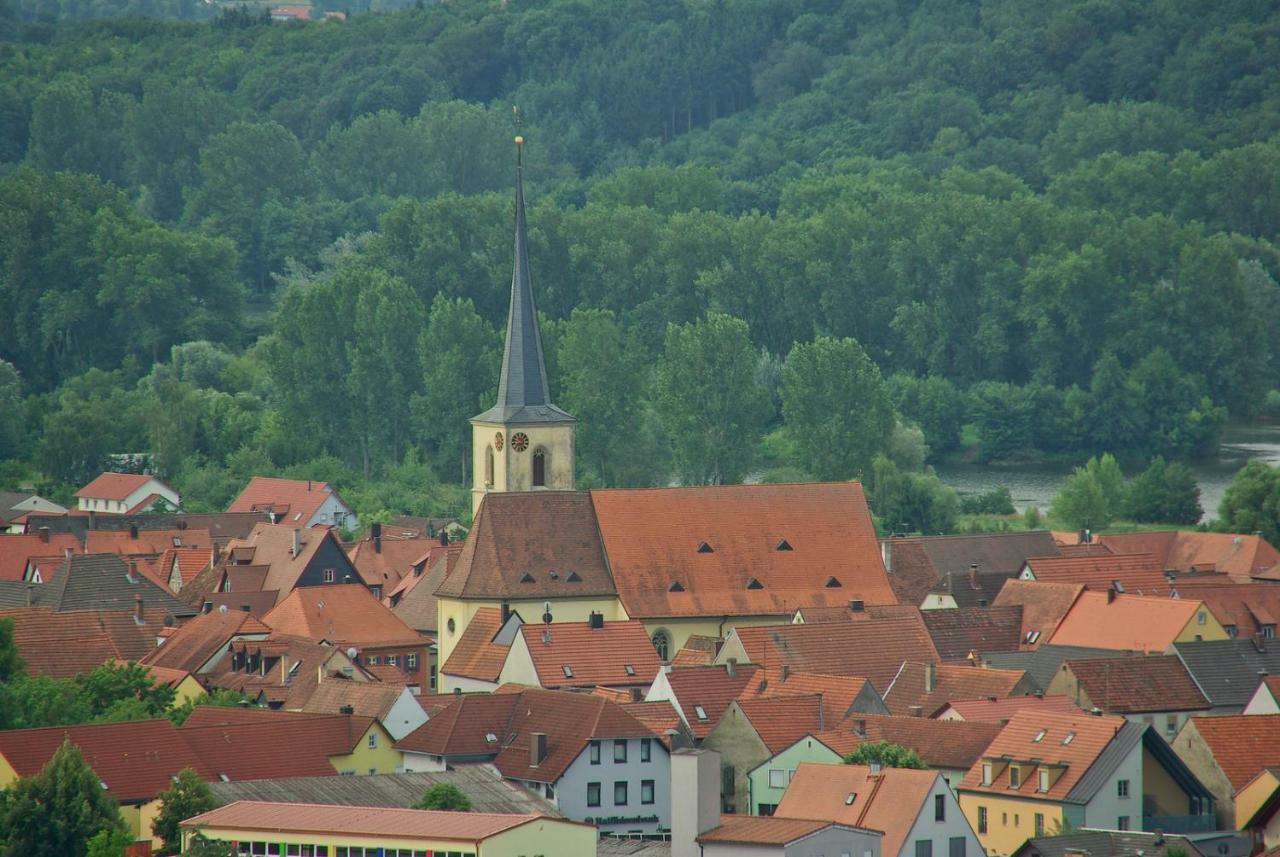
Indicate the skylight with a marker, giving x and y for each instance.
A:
(629, 668)
(490, 738)
(1039, 737)
(526, 578)
(568, 671)
(700, 711)
(1071, 736)
(675, 586)
(850, 798)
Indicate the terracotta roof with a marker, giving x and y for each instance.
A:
(951, 681)
(963, 630)
(462, 727)
(697, 651)
(838, 692)
(1138, 573)
(147, 541)
(387, 567)
(1133, 622)
(519, 540)
(414, 598)
(301, 666)
(115, 486)
(970, 590)
(93, 582)
(199, 639)
(888, 801)
(709, 688)
(270, 547)
(1000, 709)
(366, 698)
(1247, 607)
(660, 718)
(1134, 685)
(1041, 735)
(1239, 555)
(265, 743)
(359, 820)
(346, 613)
(134, 759)
(1000, 553)
(951, 744)
(476, 655)
(64, 644)
(189, 561)
(300, 499)
(1241, 744)
(780, 721)
(1043, 606)
(911, 572)
(16, 550)
(873, 648)
(761, 830)
(576, 655)
(724, 547)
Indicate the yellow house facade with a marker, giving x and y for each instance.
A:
(372, 754)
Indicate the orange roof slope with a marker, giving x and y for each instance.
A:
(888, 801)
(761, 830)
(952, 744)
(193, 644)
(1000, 710)
(476, 655)
(147, 541)
(463, 727)
(709, 688)
(1242, 744)
(1129, 622)
(465, 827)
(573, 654)
(16, 550)
(1249, 608)
(698, 651)
(274, 744)
(780, 721)
(345, 612)
(1130, 685)
(1073, 741)
(1043, 606)
(950, 681)
(1239, 555)
(873, 648)
(838, 692)
(114, 486)
(1138, 573)
(298, 499)
(63, 644)
(740, 549)
(390, 565)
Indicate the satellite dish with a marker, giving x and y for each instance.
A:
(352, 653)
(222, 608)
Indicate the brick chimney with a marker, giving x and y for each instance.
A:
(695, 799)
(137, 610)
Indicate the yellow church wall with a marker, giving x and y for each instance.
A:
(1211, 629)
(562, 610)
(513, 469)
(682, 628)
(379, 759)
(1010, 822)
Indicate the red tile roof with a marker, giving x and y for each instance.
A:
(1130, 622)
(1246, 606)
(463, 726)
(952, 744)
(344, 612)
(660, 718)
(572, 654)
(114, 486)
(1236, 554)
(873, 648)
(1138, 573)
(16, 550)
(465, 827)
(911, 573)
(1039, 735)
(275, 744)
(961, 631)
(780, 721)
(200, 638)
(299, 499)
(1043, 606)
(697, 651)
(951, 681)
(134, 759)
(761, 830)
(1001, 709)
(270, 546)
(476, 655)
(389, 566)
(838, 692)
(64, 644)
(654, 537)
(709, 688)
(1137, 685)
(189, 561)
(1241, 744)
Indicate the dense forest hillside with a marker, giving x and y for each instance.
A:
(778, 236)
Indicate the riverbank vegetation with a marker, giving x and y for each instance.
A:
(800, 239)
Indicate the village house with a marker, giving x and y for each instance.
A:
(1111, 843)
(921, 690)
(1043, 606)
(942, 572)
(126, 494)
(1136, 574)
(1138, 623)
(1001, 709)
(1228, 671)
(16, 506)
(583, 655)
(1228, 751)
(965, 634)
(303, 503)
(1156, 690)
(1244, 558)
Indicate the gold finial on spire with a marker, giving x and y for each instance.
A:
(515, 110)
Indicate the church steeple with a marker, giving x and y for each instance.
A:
(524, 442)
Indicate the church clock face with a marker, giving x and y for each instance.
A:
(519, 441)
(497, 441)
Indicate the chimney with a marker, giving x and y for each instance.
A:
(1111, 594)
(506, 612)
(930, 677)
(973, 576)
(376, 532)
(308, 486)
(695, 799)
(537, 748)
(444, 537)
(731, 667)
(886, 556)
(785, 672)
(596, 621)
(297, 541)
(855, 605)
(137, 610)
(206, 607)
(346, 709)
(31, 591)
(917, 711)
(133, 532)
(44, 535)
(132, 573)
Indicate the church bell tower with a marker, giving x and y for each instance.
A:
(524, 442)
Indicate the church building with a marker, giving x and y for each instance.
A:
(684, 561)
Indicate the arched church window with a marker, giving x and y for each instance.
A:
(488, 465)
(662, 644)
(539, 469)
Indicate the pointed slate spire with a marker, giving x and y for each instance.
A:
(523, 395)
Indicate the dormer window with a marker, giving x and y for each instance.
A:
(1268, 632)
(701, 712)
(526, 578)
(832, 583)
(675, 586)
(986, 773)
(703, 547)
(573, 577)
(1044, 780)
(754, 584)
(1015, 776)
(784, 545)
(1070, 736)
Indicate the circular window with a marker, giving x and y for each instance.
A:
(452, 626)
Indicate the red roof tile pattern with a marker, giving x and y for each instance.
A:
(780, 721)
(1248, 607)
(1137, 685)
(1001, 709)
(697, 651)
(1241, 556)
(476, 655)
(388, 566)
(463, 726)
(838, 692)
(619, 653)
(200, 638)
(1072, 740)
(709, 688)
(17, 550)
(1241, 744)
(344, 612)
(1138, 573)
(64, 644)
(660, 718)
(272, 744)
(827, 526)
(366, 698)
(114, 486)
(468, 827)
(911, 572)
(188, 561)
(950, 681)
(298, 499)
(873, 648)
(1129, 622)
(147, 541)
(270, 546)
(950, 744)
(761, 830)
(962, 631)
(888, 801)
(1043, 606)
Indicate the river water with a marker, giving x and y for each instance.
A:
(1035, 485)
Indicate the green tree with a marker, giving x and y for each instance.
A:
(1251, 503)
(1092, 496)
(12, 411)
(125, 691)
(884, 753)
(1164, 494)
(907, 502)
(11, 666)
(201, 846)
(444, 796)
(109, 843)
(187, 797)
(55, 812)
(709, 400)
(836, 407)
